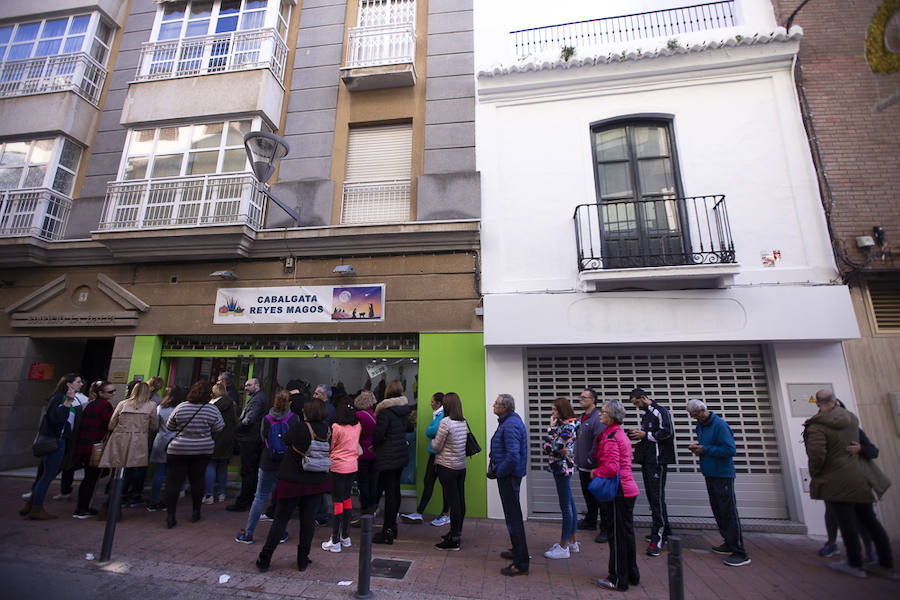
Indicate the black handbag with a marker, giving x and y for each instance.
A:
(472, 446)
(44, 445)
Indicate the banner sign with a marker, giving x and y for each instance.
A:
(299, 304)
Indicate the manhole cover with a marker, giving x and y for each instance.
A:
(389, 568)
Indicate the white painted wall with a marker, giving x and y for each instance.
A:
(805, 363)
(737, 132)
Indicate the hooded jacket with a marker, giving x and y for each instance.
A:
(835, 473)
(389, 436)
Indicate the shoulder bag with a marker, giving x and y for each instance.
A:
(605, 489)
(177, 433)
(472, 446)
(316, 459)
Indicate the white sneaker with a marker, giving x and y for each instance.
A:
(843, 567)
(346, 543)
(557, 551)
(208, 499)
(441, 520)
(413, 516)
(220, 498)
(62, 497)
(330, 546)
(574, 547)
(265, 517)
(26, 496)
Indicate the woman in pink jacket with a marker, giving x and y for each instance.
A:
(614, 458)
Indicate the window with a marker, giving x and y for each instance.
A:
(377, 179)
(46, 163)
(186, 150)
(53, 37)
(637, 190)
(373, 13)
(208, 17)
(884, 297)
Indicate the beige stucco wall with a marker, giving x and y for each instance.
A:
(27, 117)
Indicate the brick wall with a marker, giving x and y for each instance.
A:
(860, 145)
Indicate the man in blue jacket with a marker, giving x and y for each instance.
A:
(509, 459)
(715, 447)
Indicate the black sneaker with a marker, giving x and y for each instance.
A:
(721, 549)
(588, 525)
(601, 538)
(448, 544)
(736, 560)
(652, 550)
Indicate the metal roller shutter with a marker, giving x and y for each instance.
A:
(377, 180)
(731, 381)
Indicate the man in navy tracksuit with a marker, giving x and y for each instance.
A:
(655, 451)
(715, 447)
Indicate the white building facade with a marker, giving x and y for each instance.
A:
(650, 217)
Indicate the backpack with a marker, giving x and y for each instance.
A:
(316, 458)
(275, 438)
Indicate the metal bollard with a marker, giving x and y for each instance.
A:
(112, 513)
(367, 523)
(676, 573)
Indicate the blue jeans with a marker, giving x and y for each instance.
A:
(512, 513)
(566, 507)
(216, 474)
(51, 464)
(265, 483)
(159, 476)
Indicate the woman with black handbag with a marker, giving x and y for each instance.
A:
(303, 478)
(449, 446)
(55, 435)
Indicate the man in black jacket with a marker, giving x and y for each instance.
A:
(249, 441)
(655, 451)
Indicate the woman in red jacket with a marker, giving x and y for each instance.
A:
(614, 458)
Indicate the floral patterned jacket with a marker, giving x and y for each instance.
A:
(559, 444)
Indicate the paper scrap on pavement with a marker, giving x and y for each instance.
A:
(345, 582)
(224, 578)
(88, 556)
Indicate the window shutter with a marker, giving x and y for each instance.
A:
(381, 153)
(885, 297)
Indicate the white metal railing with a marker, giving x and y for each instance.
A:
(233, 199)
(381, 45)
(375, 202)
(39, 212)
(76, 72)
(234, 51)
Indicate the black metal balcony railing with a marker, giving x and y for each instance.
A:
(655, 232)
(583, 35)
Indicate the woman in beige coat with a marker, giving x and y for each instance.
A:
(131, 422)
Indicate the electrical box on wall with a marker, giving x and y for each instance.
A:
(895, 409)
(803, 397)
(804, 479)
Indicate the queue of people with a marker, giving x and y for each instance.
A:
(335, 441)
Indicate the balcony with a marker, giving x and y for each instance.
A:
(587, 37)
(380, 56)
(78, 73)
(205, 216)
(381, 202)
(206, 55)
(660, 238)
(37, 212)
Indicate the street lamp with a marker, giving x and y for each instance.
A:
(264, 151)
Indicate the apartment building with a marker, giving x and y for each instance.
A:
(135, 239)
(848, 82)
(651, 217)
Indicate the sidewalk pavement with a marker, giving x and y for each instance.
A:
(784, 566)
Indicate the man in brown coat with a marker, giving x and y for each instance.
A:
(837, 479)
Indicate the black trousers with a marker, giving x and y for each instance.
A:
(86, 488)
(177, 467)
(655, 485)
(453, 482)
(724, 507)
(340, 491)
(848, 515)
(66, 480)
(428, 487)
(250, 454)
(367, 478)
(389, 484)
(623, 568)
(284, 508)
(593, 507)
(509, 488)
